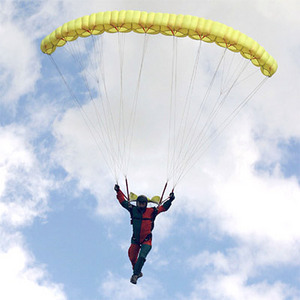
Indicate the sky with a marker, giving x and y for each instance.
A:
(233, 231)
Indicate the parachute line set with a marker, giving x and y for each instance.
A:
(197, 116)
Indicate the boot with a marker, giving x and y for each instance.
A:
(134, 278)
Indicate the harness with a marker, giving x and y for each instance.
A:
(154, 214)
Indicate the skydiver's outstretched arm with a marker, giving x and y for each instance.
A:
(167, 204)
(122, 199)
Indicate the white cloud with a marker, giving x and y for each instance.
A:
(255, 208)
(24, 188)
(23, 22)
(19, 66)
(232, 276)
(257, 211)
(116, 287)
(233, 287)
(23, 197)
(20, 276)
(256, 204)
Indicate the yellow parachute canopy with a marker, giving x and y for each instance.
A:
(166, 24)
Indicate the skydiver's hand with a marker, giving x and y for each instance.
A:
(116, 188)
(172, 196)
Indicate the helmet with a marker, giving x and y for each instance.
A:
(142, 199)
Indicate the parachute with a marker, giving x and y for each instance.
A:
(197, 115)
(167, 24)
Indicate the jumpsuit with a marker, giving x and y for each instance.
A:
(142, 221)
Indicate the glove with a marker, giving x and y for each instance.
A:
(116, 188)
(172, 196)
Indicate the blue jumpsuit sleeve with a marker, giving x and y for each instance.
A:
(126, 204)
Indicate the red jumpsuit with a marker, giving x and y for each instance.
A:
(142, 221)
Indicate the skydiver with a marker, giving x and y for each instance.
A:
(142, 220)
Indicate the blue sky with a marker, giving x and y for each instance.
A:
(233, 231)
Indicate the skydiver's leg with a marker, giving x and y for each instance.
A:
(133, 252)
(145, 249)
